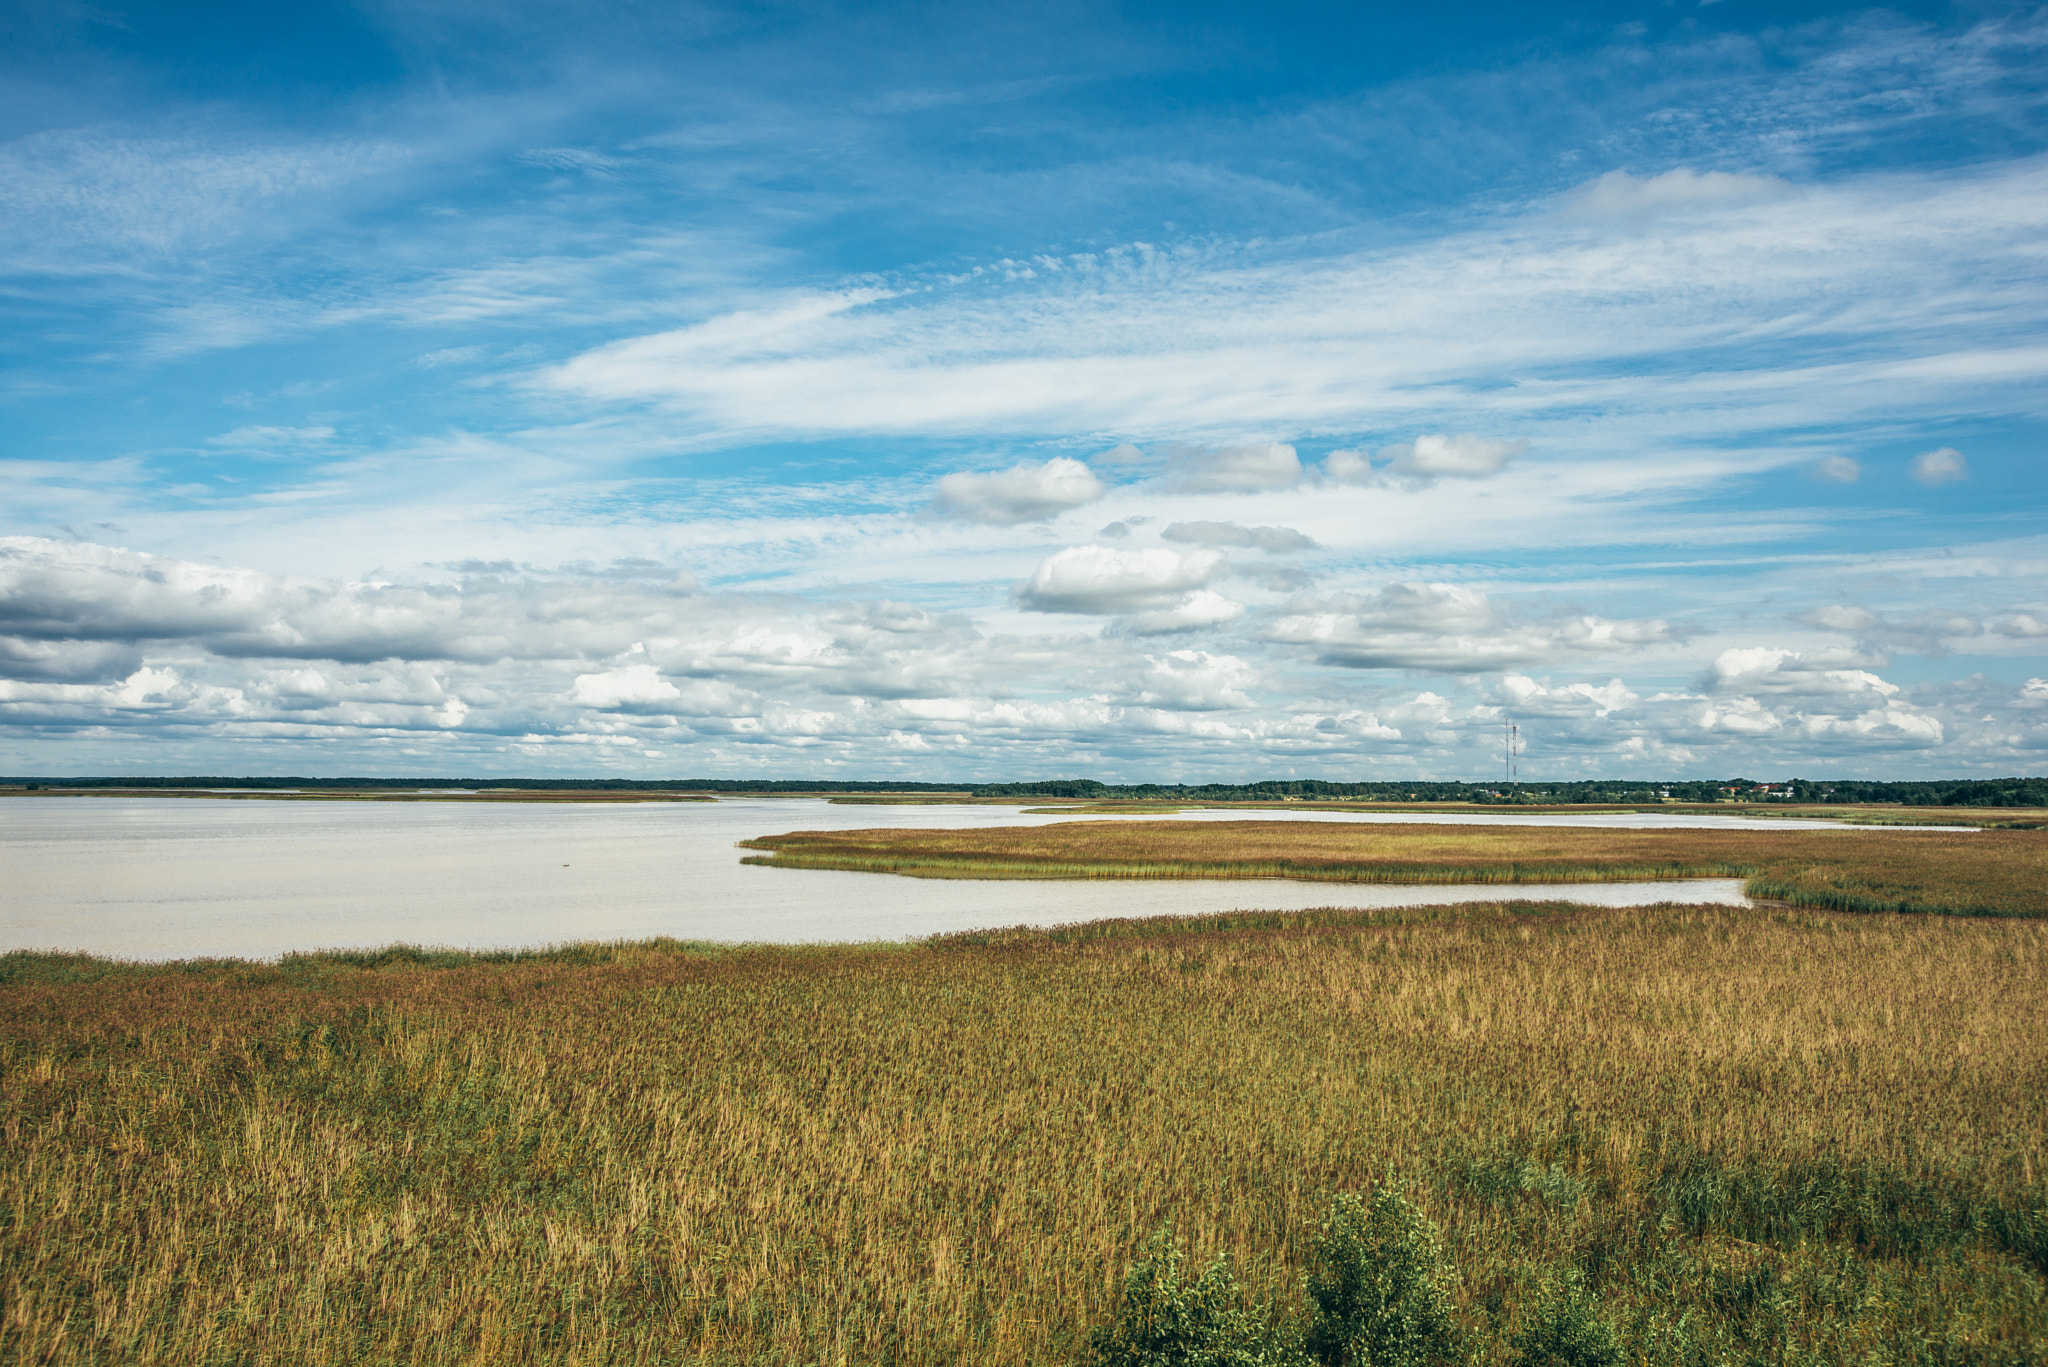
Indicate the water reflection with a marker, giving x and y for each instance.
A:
(171, 878)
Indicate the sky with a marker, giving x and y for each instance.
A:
(937, 392)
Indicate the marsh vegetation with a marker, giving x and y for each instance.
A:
(1717, 1135)
(1979, 873)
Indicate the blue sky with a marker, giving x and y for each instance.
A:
(948, 392)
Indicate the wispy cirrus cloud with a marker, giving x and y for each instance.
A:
(1569, 310)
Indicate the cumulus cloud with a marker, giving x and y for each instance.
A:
(609, 664)
(1277, 540)
(1768, 669)
(1196, 611)
(1618, 194)
(1942, 466)
(1349, 467)
(1196, 681)
(1848, 704)
(1023, 493)
(69, 591)
(1351, 726)
(2022, 625)
(1762, 690)
(1464, 456)
(1526, 697)
(67, 661)
(144, 690)
(1098, 580)
(1837, 469)
(1752, 700)
(1930, 633)
(1247, 468)
(626, 686)
(1446, 628)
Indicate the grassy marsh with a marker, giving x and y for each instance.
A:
(1784, 1137)
(1990, 872)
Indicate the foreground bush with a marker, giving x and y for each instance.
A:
(1378, 1296)
(1563, 1328)
(1381, 1287)
(1167, 1322)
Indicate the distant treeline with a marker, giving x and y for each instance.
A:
(1990, 792)
(1996, 792)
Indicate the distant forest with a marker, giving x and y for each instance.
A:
(1989, 792)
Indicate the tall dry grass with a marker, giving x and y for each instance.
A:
(1782, 1137)
(1988, 872)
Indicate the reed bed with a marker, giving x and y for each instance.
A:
(1978, 873)
(1759, 1136)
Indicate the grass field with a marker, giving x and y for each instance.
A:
(1992, 872)
(1760, 1136)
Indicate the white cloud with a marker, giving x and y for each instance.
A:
(70, 194)
(1779, 672)
(451, 355)
(1942, 466)
(1195, 611)
(270, 438)
(1248, 468)
(1464, 456)
(62, 661)
(1195, 681)
(1350, 727)
(1023, 493)
(1930, 632)
(1099, 580)
(1123, 457)
(1349, 467)
(1842, 617)
(65, 591)
(1444, 627)
(1526, 697)
(623, 687)
(1277, 540)
(1619, 194)
(1837, 469)
(1159, 346)
(607, 663)
(2021, 625)
(144, 690)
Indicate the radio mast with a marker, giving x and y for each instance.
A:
(1510, 752)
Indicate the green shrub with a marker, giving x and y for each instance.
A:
(1380, 1290)
(1564, 1329)
(1166, 1322)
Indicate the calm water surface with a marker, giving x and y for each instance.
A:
(157, 878)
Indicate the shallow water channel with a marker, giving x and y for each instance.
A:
(161, 878)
